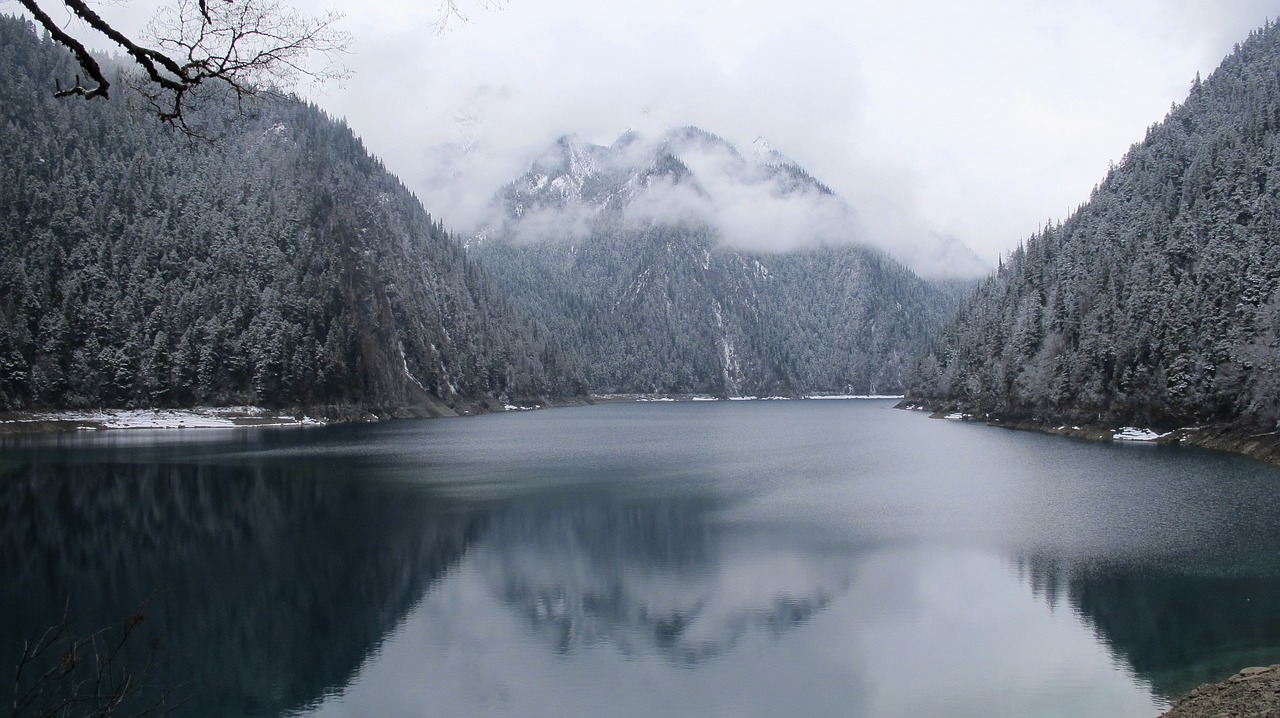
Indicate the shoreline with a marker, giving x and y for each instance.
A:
(1250, 692)
(625, 398)
(52, 421)
(203, 417)
(1261, 446)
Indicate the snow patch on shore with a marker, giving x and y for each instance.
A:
(706, 397)
(196, 418)
(1132, 433)
(854, 396)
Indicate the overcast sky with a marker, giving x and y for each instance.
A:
(981, 119)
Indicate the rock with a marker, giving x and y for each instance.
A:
(1251, 693)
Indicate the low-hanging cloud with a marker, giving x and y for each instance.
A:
(981, 120)
(757, 200)
(543, 224)
(748, 208)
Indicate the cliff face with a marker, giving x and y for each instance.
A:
(1155, 304)
(280, 265)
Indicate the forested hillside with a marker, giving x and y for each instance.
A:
(280, 265)
(629, 253)
(1155, 303)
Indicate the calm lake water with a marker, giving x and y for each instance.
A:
(814, 558)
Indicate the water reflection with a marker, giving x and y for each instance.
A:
(648, 577)
(268, 585)
(688, 559)
(1175, 629)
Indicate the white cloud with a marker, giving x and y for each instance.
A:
(543, 224)
(980, 119)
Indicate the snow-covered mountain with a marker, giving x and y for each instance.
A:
(684, 265)
(757, 199)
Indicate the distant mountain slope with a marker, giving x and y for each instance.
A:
(625, 253)
(1155, 303)
(281, 265)
(757, 199)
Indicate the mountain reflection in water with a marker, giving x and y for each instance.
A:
(647, 577)
(1175, 630)
(267, 585)
(745, 559)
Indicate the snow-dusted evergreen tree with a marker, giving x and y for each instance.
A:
(1156, 301)
(280, 265)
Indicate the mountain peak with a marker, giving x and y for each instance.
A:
(762, 147)
(689, 177)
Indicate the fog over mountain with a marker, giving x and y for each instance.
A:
(979, 120)
(755, 200)
(683, 265)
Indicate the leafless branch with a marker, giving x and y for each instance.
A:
(452, 15)
(60, 674)
(86, 60)
(241, 46)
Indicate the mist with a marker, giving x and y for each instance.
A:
(980, 121)
(755, 200)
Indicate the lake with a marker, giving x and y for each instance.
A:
(703, 559)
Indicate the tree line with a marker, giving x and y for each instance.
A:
(1155, 302)
(281, 265)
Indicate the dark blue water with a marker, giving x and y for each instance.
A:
(702, 559)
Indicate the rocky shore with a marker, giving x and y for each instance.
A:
(1251, 693)
(1263, 446)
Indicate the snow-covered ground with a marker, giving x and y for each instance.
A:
(854, 396)
(705, 397)
(195, 418)
(1131, 433)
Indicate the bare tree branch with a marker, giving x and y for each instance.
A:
(243, 46)
(84, 675)
(86, 60)
(452, 14)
